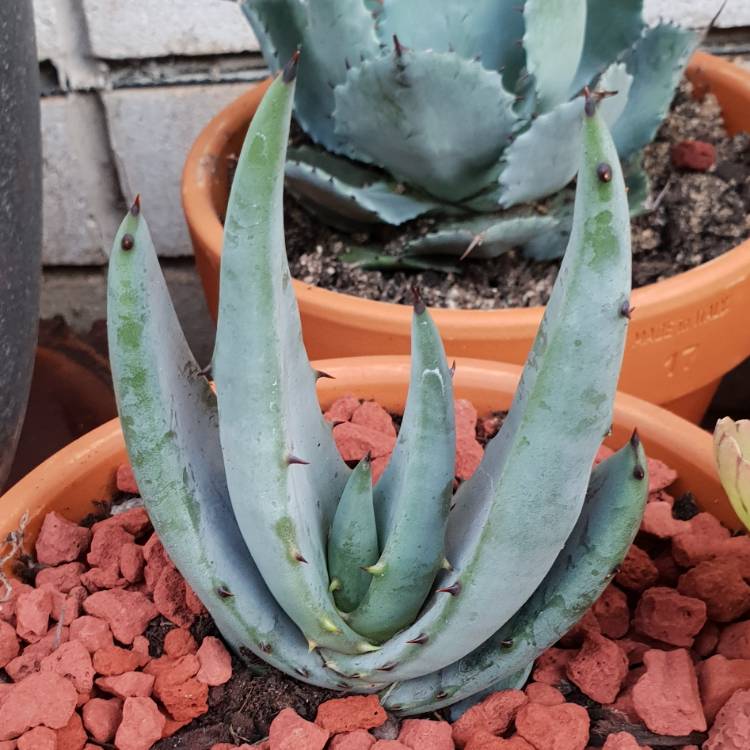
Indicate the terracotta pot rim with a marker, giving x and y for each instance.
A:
(83, 471)
(204, 222)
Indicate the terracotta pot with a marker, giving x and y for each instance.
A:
(687, 332)
(71, 480)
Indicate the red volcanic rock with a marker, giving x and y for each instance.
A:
(342, 409)
(706, 640)
(289, 731)
(704, 524)
(9, 645)
(494, 715)
(71, 660)
(125, 479)
(179, 642)
(599, 668)
(690, 549)
(127, 612)
(106, 543)
(563, 727)
(170, 598)
(127, 685)
(156, 560)
(660, 476)
(666, 697)
(92, 632)
(141, 726)
(668, 616)
(698, 156)
(72, 736)
(63, 577)
(355, 441)
(423, 734)
(33, 610)
(8, 607)
(658, 520)
(487, 741)
(102, 717)
(215, 661)
(131, 562)
(135, 521)
(550, 666)
(39, 738)
(734, 641)
(389, 745)
(359, 739)
(99, 579)
(637, 571)
(612, 613)
(60, 540)
(31, 657)
(184, 700)
(469, 451)
(140, 647)
(113, 660)
(371, 414)
(348, 714)
(731, 729)
(538, 692)
(623, 741)
(719, 678)
(720, 585)
(42, 699)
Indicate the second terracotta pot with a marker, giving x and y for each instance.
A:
(686, 332)
(84, 471)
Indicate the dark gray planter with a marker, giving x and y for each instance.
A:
(20, 218)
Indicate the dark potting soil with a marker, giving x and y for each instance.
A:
(694, 217)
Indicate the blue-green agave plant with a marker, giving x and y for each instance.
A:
(405, 589)
(468, 109)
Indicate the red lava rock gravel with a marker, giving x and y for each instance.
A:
(668, 642)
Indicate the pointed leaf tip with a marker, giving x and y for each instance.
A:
(635, 438)
(135, 209)
(290, 69)
(419, 305)
(590, 106)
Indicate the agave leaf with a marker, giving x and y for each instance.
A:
(544, 159)
(656, 62)
(483, 236)
(169, 418)
(489, 30)
(278, 25)
(285, 25)
(600, 540)
(562, 407)
(441, 122)
(412, 498)
(612, 26)
(337, 187)
(553, 40)
(353, 540)
(376, 260)
(283, 508)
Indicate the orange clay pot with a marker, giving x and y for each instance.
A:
(686, 332)
(83, 472)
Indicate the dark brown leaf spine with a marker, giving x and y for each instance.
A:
(290, 69)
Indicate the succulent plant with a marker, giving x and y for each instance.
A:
(300, 560)
(468, 109)
(732, 450)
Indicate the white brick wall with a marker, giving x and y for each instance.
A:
(121, 29)
(102, 143)
(151, 134)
